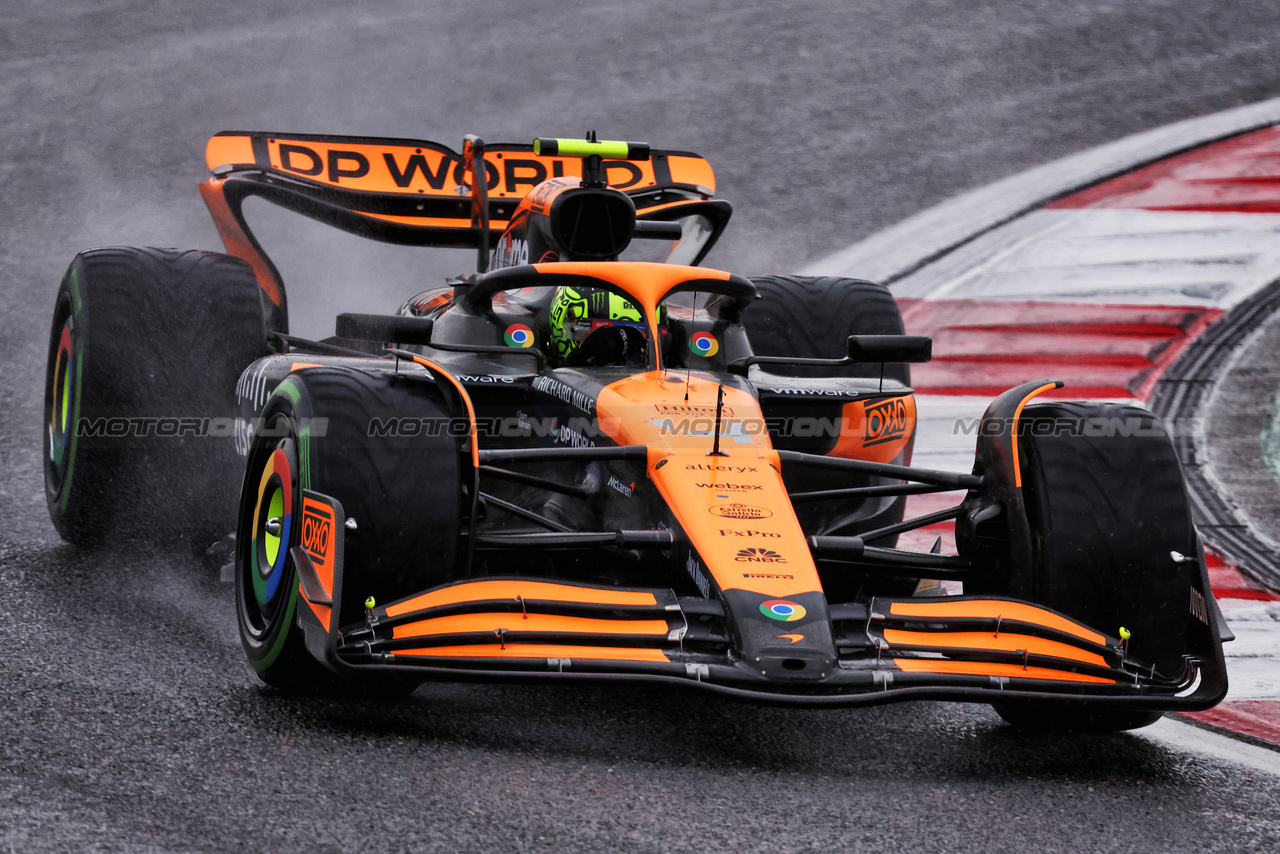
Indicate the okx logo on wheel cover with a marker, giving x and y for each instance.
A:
(783, 610)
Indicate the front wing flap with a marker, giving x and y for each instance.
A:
(961, 648)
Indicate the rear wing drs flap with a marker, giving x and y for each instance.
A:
(415, 192)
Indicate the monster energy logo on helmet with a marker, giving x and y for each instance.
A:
(575, 312)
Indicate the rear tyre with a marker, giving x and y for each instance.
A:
(378, 442)
(144, 353)
(1107, 504)
(813, 317)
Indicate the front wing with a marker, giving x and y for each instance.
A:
(959, 648)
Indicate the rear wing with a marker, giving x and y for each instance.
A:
(418, 193)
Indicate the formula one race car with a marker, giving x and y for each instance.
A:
(572, 465)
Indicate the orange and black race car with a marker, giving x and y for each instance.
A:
(571, 465)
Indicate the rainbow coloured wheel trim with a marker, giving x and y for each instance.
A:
(266, 579)
(272, 529)
(63, 387)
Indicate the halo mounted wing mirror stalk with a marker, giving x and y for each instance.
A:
(861, 348)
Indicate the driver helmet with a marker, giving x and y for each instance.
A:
(577, 312)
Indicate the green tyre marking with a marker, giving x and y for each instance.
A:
(289, 389)
(286, 628)
(73, 278)
(304, 456)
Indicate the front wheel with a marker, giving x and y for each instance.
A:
(384, 445)
(1112, 542)
(267, 596)
(1055, 717)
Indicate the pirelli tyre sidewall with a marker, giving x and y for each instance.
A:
(144, 351)
(333, 431)
(1107, 506)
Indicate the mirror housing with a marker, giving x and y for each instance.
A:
(890, 348)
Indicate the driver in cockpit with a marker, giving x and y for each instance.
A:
(594, 327)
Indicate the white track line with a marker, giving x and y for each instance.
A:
(1183, 736)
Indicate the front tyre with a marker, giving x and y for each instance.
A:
(384, 445)
(1048, 717)
(1107, 507)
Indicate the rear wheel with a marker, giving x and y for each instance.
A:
(1107, 505)
(144, 353)
(813, 317)
(381, 444)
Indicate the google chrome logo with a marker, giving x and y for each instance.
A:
(783, 610)
(519, 335)
(704, 344)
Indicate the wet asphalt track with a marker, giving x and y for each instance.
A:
(128, 718)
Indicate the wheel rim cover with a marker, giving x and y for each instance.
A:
(269, 553)
(63, 383)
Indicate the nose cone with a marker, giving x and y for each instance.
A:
(788, 639)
